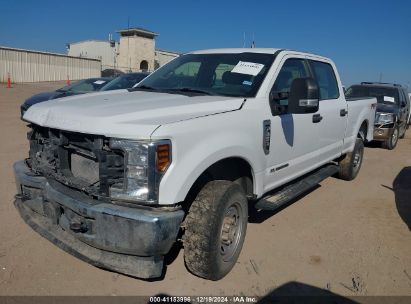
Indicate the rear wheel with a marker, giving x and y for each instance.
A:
(391, 142)
(215, 229)
(351, 164)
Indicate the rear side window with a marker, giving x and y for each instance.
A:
(327, 82)
(403, 99)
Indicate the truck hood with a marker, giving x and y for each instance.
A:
(124, 114)
(388, 108)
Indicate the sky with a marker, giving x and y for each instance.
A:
(368, 40)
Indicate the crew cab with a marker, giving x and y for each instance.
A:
(117, 178)
(393, 110)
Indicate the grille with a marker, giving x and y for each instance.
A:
(81, 161)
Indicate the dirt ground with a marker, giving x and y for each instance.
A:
(349, 238)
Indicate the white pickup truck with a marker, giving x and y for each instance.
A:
(117, 178)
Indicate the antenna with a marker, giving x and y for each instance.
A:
(244, 40)
(128, 43)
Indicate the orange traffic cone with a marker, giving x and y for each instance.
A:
(8, 81)
(68, 80)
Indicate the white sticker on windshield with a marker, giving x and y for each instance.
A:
(389, 99)
(249, 68)
(99, 81)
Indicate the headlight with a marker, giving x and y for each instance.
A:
(144, 165)
(384, 118)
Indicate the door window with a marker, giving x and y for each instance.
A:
(402, 98)
(292, 69)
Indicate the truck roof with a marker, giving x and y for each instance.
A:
(380, 84)
(237, 50)
(254, 50)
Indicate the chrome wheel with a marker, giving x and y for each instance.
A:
(231, 232)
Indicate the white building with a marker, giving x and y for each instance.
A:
(161, 57)
(106, 51)
(134, 52)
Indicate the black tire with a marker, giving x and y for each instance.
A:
(391, 142)
(351, 164)
(403, 133)
(218, 215)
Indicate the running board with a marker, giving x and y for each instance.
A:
(290, 192)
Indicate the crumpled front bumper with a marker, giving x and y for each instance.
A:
(383, 133)
(127, 240)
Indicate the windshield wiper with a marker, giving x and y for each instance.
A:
(143, 87)
(190, 90)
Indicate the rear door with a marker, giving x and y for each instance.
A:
(333, 111)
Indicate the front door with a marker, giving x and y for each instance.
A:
(294, 137)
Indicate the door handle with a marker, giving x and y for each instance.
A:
(343, 112)
(317, 118)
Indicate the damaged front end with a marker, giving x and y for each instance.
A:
(79, 161)
(385, 124)
(64, 193)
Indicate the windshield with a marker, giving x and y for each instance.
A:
(86, 85)
(383, 94)
(238, 75)
(124, 81)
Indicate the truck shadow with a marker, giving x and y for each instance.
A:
(374, 144)
(259, 216)
(296, 292)
(287, 124)
(402, 192)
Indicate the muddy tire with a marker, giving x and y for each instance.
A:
(215, 229)
(351, 164)
(391, 142)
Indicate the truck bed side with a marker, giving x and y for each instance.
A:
(360, 110)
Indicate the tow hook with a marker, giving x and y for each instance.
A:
(78, 227)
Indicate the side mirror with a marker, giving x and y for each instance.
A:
(276, 107)
(304, 96)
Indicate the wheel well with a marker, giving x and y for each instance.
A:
(362, 132)
(234, 169)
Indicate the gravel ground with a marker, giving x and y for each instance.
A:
(348, 238)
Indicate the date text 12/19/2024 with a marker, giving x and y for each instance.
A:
(202, 299)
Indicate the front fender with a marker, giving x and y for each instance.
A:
(181, 175)
(192, 157)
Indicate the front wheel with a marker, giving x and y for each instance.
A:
(351, 164)
(391, 142)
(215, 229)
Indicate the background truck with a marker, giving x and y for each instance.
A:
(117, 178)
(393, 110)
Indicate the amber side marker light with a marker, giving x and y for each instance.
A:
(163, 157)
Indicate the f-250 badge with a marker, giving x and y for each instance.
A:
(266, 135)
